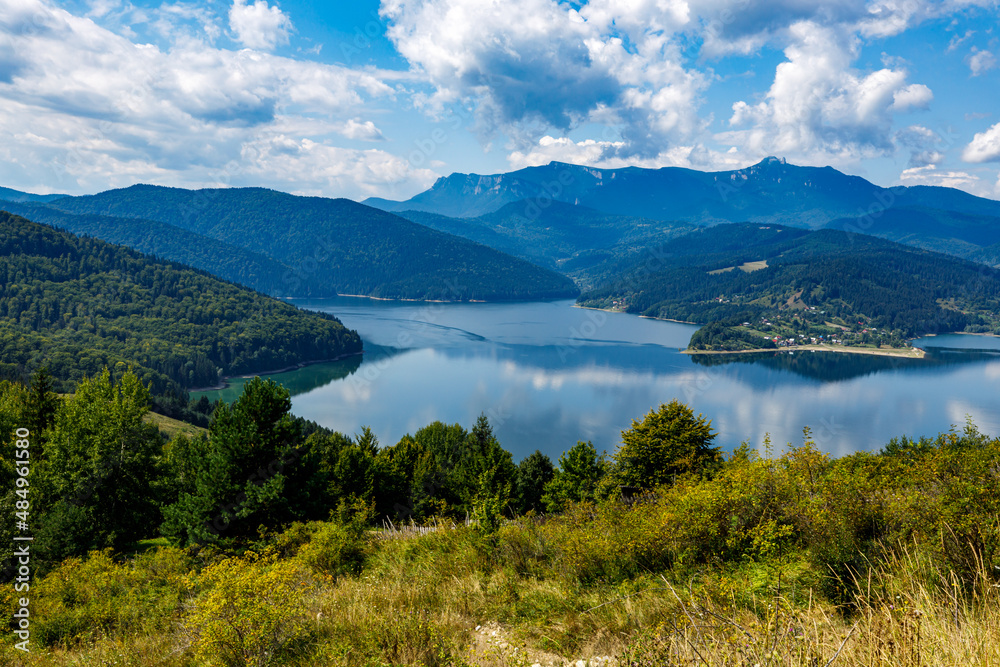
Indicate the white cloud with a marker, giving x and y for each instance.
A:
(929, 175)
(259, 26)
(361, 130)
(984, 147)
(981, 62)
(535, 65)
(914, 96)
(818, 105)
(957, 41)
(615, 155)
(303, 166)
(84, 109)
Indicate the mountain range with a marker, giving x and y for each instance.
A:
(292, 246)
(771, 191)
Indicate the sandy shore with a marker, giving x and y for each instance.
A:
(907, 352)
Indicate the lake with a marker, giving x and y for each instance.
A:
(548, 374)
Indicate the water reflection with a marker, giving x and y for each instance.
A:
(548, 375)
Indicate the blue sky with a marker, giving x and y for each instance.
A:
(381, 98)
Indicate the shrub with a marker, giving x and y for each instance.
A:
(85, 599)
(249, 613)
(336, 549)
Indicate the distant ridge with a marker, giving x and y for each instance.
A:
(8, 194)
(771, 191)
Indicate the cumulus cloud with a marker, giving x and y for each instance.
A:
(984, 147)
(259, 26)
(538, 69)
(83, 108)
(361, 130)
(818, 104)
(532, 65)
(981, 62)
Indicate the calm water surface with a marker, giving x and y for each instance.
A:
(549, 374)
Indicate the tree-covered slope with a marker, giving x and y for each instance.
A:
(580, 242)
(795, 278)
(967, 235)
(77, 305)
(161, 239)
(353, 248)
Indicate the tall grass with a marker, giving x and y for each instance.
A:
(795, 561)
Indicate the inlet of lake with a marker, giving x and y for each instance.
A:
(548, 374)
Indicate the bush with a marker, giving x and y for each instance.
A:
(85, 599)
(336, 549)
(249, 613)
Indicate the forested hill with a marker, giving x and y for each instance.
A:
(575, 240)
(77, 305)
(224, 260)
(352, 248)
(731, 273)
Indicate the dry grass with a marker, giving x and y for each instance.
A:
(172, 427)
(454, 598)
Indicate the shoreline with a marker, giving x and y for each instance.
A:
(385, 298)
(906, 353)
(302, 364)
(960, 333)
(645, 317)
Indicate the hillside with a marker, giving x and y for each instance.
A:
(965, 235)
(346, 246)
(221, 259)
(754, 284)
(771, 191)
(77, 305)
(578, 241)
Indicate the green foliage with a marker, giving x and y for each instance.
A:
(725, 336)
(42, 403)
(229, 262)
(78, 305)
(667, 443)
(247, 613)
(853, 277)
(338, 548)
(534, 472)
(236, 476)
(334, 243)
(576, 479)
(84, 599)
(99, 470)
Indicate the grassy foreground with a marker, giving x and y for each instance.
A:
(887, 559)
